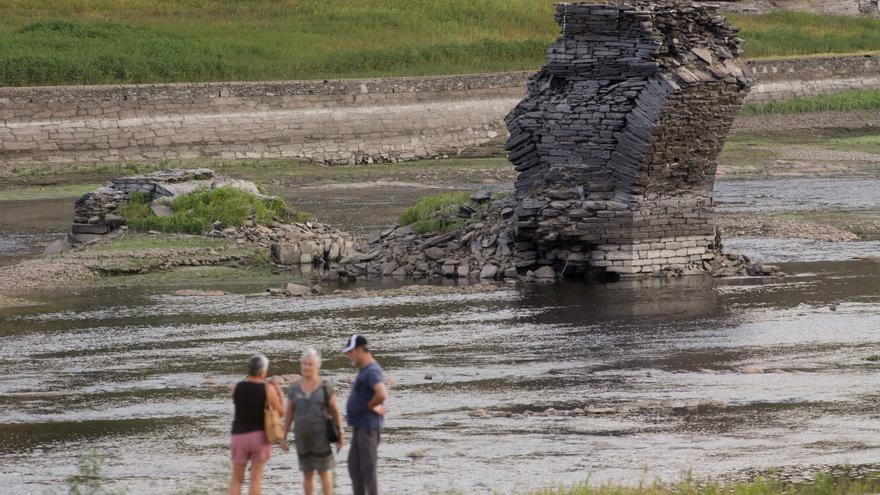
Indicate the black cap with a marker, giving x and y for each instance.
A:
(355, 341)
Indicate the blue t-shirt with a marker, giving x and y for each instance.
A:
(356, 413)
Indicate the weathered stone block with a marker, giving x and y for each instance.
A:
(90, 228)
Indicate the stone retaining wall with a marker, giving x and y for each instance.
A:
(785, 79)
(344, 121)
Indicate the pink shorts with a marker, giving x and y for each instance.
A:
(251, 446)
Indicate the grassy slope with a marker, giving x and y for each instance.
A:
(183, 40)
(868, 99)
(122, 41)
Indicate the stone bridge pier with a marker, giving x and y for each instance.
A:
(617, 138)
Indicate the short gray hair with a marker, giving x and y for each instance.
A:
(257, 364)
(311, 352)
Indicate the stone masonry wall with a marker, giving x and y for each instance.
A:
(356, 121)
(785, 79)
(615, 143)
(347, 121)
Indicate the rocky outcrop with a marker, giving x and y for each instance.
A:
(309, 243)
(616, 141)
(482, 249)
(97, 214)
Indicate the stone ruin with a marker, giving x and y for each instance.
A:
(617, 138)
(615, 145)
(97, 215)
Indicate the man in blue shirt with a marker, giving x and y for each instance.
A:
(365, 414)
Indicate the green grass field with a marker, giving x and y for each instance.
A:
(868, 99)
(142, 41)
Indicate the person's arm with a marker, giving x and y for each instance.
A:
(380, 393)
(337, 415)
(288, 420)
(274, 397)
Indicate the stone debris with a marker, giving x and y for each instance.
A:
(96, 215)
(360, 292)
(198, 293)
(482, 249)
(303, 243)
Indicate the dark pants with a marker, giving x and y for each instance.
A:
(362, 461)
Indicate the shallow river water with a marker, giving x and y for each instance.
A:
(713, 376)
(531, 386)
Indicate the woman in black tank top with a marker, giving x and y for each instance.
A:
(250, 402)
(249, 443)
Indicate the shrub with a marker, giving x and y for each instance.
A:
(194, 213)
(437, 213)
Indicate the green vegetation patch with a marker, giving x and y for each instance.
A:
(787, 34)
(865, 144)
(145, 41)
(438, 213)
(140, 242)
(194, 213)
(46, 192)
(90, 52)
(868, 99)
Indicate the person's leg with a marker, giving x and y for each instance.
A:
(237, 479)
(326, 482)
(256, 486)
(370, 461)
(354, 465)
(309, 482)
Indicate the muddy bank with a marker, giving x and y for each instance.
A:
(754, 225)
(122, 255)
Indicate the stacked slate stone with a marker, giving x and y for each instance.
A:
(617, 138)
(95, 212)
(300, 244)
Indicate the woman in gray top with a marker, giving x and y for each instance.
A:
(309, 404)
